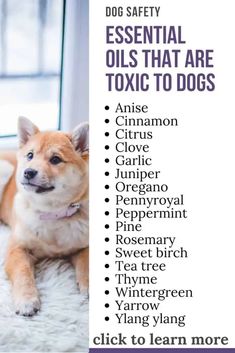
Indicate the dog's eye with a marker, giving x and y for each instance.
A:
(55, 160)
(30, 156)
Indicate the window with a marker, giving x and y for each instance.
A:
(31, 35)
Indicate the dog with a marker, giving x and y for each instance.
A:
(44, 199)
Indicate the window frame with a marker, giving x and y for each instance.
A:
(74, 75)
(10, 141)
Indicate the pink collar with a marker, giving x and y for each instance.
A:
(60, 214)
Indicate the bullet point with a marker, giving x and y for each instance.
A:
(106, 121)
(106, 265)
(106, 292)
(106, 252)
(106, 279)
(106, 173)
(106, 160)
(106, 239)
(106, 226)
(106, 200)
(106, 186)
(106, 318)
(106, 147)
(106, 305)
(106, 213)
(106, 133)
(106, 107)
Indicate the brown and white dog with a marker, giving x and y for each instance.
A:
(45, 202)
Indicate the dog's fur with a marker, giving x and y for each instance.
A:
(55, 187)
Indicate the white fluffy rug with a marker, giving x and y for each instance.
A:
(62, 323)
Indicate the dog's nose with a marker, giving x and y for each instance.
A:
(30, 173)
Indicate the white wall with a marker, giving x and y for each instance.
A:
(75, 88)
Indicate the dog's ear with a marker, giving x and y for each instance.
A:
(80, 138)
(26, 129)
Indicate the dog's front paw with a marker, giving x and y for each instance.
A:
(27, 306)
(83, 290)
(84, 293)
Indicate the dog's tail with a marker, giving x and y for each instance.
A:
(6, 171)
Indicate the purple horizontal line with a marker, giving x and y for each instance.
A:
(161, 350)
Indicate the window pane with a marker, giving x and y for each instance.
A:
(30, 57)
(21, 36)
